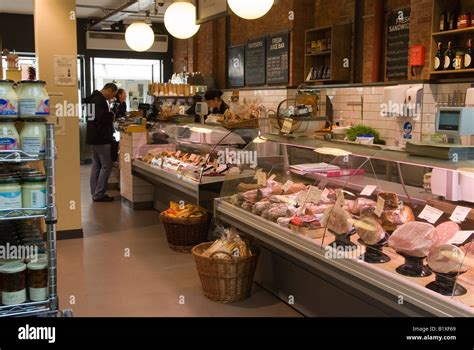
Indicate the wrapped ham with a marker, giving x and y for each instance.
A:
(284, 222)
(279, 211)
(393, 218)
(269, 191)
(259, 207)
(243, 187)
(370, 231)
(295, 188)
(312, 209)
(414, 239)
(446, 231)
(247, 206)
(250, 196)
(362, 205)
(337, 220)
(446, 258)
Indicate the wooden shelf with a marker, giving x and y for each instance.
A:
(454, 71)
(455, 32)
(317, 81)
(324, 53)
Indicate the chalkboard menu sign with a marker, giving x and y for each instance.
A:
(255, 61)
(236, 66)
(278, 58)
(398, 37)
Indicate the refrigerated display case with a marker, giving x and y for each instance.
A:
(368, 227)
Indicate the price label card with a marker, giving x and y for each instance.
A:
(380, 207)
(262, 178)
(340, 199)
(301, 198)
(287, 126)
(325, 194)
(462, 237)
(256, 174)
(431, 214)
(287, 185)
(460, 214)
(178, 154)
(368, 190)
(272, 177)
(192, 157)
(314, 195)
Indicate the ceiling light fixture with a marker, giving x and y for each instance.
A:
(139, 35)
(250, 9)
(180, 20)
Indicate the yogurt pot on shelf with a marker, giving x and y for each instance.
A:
(33, 100)
(9, 137)
(8, 100)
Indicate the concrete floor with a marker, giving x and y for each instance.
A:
(123, 267)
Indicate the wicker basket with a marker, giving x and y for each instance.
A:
(184, 234)
(225, 281)
(246, 124)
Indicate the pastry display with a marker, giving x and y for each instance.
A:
(414, 239)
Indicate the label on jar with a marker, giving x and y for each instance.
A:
(27, 107)
(8, 144)
(11, 298)
(38, 294)
(32, 145)
(10, 200)
(6, 107)
(38, 199)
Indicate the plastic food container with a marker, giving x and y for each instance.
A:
(365, 139)
(8, 100)
(34, 192)
(13, 283)
(9, 137)
(37, 280)
(33, 100)
(33, 138)
(10, 193)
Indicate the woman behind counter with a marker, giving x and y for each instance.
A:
(215, 102)
(120, 106)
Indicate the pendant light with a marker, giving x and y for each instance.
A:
(250, 9)
(180, 20)
(139, 35)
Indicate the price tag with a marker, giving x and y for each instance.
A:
(430, 214)
(301, 198)
(177, 154)
(460, 214)
(287, 126)
(380, 207)
(461, 238)
(272, 177)
(314, 195)
(325, 194)
(262, 178)
(340, 199)
(368, 190)
(192, 157)
(256, 174)
(287, 185)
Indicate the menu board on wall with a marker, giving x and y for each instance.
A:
(236, 66)
(255, 61)
(398, 37)
(278, 58)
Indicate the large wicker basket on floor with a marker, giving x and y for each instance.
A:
(222, 280)
(184, 234)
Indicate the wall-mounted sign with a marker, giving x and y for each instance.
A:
(208, 10)
(278, 58)
(65, 70)
(398, 38)
(236, 66)
(255, 61)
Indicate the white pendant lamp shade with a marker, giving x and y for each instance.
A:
(250, 9)
(139, 36)
(180, 20)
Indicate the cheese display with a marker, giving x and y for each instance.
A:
(446, 259)
(414, 239)
(369, 230)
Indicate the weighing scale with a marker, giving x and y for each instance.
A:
(455, 122)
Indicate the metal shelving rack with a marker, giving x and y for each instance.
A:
(48, 307)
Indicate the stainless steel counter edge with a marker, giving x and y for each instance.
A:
(395, 285)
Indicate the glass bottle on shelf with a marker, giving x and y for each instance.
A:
(468, 64)
(439, 58)
(449, 57)
(443, 20)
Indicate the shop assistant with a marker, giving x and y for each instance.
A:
(215, 102)
(120, 106)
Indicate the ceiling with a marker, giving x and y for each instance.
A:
(91, 9)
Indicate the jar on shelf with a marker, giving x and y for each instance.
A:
(33, 138)
(13, 283)
(10, 193)
(37, 280)
(33, 100)
(9, 137)
(34, 191)
(459, 61)
(8, 100)
(464, 21)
